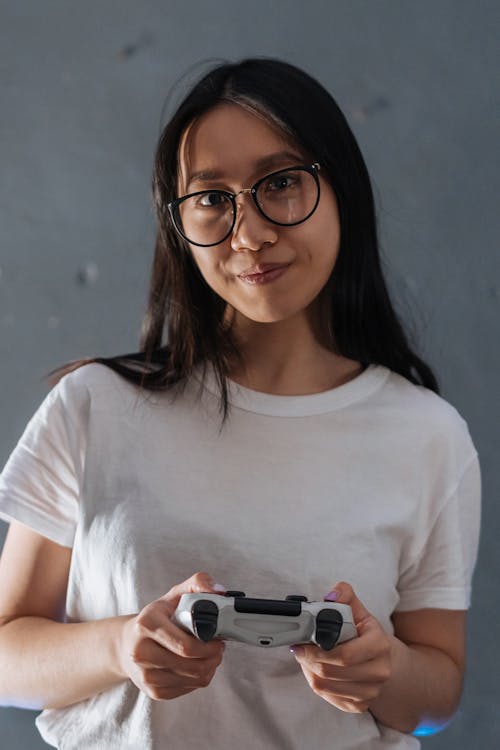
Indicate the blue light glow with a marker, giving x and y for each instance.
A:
(426, 730)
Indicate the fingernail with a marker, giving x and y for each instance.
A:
(332, 596)
(297, 650)
(219, 587)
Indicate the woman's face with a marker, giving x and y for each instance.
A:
(230, 140)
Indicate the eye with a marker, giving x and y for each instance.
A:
(280, 182)
(212, 200)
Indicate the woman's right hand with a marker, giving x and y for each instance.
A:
(160, 658)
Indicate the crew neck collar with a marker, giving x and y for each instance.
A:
(270, 404)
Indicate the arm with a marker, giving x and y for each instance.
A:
(410, 678)
(427, 667)
(46, 663)
(43, 661)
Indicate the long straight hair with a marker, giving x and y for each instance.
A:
(185, 325)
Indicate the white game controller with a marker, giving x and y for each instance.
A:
(265, 622)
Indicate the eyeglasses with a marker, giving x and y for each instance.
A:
(287, 197)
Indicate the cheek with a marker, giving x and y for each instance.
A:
(211, 272)
(320, 248)
(202, 260)
(328, 224)
(328, 246)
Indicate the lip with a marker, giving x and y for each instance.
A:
(266, 277)
(261, 269)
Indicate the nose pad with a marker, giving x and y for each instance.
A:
(238, 219)
(241, 204)
(258, 230)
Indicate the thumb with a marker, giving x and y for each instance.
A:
(343, 593)
(199, 583)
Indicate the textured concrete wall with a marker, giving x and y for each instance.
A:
(82, 88)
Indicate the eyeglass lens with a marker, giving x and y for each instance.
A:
(287, 197)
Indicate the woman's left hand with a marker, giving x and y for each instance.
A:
(352, 674)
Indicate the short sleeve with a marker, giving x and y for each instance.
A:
(39, 485)
(441, 574)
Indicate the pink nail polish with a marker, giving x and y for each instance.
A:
(219, 587)
(331, 597)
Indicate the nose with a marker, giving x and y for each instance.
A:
(251, 230)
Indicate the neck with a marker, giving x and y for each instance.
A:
(286, 358)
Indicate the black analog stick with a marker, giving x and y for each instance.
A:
(328, 626)
(205, 614)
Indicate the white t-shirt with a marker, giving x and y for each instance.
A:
(375, 482)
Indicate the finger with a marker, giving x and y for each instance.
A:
(167, 693)
(345, 595)
(168, 685)
(199, 583)
(372, 671)
(347, 691)
(372, 643)
(149, 653)
(173, 679)
(195, 669)
(154, 624)
(186, 645)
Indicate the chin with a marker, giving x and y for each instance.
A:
(262, 315)
(268, 318)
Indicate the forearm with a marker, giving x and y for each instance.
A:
(48, 664)
(425, 687)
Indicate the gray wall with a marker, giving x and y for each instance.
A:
(82, 88)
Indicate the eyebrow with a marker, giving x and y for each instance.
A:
(266, 162)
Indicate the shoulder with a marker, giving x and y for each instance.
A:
(427, 416)
(89, 376)
(90, 386)
(86, 379)
(97, 389)
(421, 404)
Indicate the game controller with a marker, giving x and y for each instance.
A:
(265, 622)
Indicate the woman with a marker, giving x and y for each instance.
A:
(336, 471)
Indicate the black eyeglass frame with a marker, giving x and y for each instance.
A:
(312, 169)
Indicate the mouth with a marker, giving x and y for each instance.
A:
(261, 269)
(269, 272)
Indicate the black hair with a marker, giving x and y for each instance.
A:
(184, 325)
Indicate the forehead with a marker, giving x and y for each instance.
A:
(230, 141)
